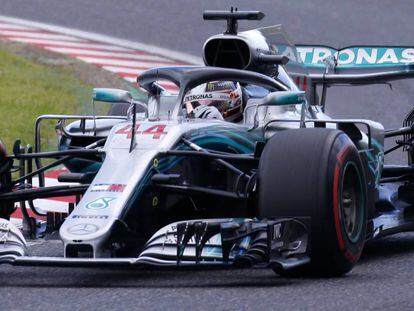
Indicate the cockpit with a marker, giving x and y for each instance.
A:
(217, 93)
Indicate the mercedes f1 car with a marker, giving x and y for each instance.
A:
(176, 181)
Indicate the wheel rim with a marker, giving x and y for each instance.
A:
(352, 202)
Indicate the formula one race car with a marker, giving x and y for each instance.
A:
(241, 168)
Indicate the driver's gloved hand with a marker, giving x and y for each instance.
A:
(207, 112)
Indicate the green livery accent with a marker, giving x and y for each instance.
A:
(111, 95)
(357, 56)
(99, 203)
(286, 98)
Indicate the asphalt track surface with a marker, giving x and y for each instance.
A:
(385, 276)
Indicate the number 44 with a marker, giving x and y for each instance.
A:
(156, 131)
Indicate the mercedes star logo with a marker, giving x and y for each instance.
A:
(83, 229)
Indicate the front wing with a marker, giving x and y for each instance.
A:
(281, 244)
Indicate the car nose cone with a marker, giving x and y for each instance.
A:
(83, 229)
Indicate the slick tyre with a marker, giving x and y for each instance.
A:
(317, 173)
(6, 208)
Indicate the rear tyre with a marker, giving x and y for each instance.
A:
(6, 208)
(317, 173)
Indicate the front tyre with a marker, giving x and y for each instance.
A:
(317, 173)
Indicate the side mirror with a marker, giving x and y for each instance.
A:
(111, 95)
(284, 98)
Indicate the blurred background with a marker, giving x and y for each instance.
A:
(178, 25)
(383, 279)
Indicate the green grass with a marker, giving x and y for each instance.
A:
(28, 89)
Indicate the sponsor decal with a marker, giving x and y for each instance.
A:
(83, 229)
(277, 232)
(215, 96)
(100, 203)
(170, 237)
(4, 225)
(198, 96)
(90, 216)
(4, 229)
(357, 56)
(108, 188)
(219, 86)
(156, 130)
(3, 236)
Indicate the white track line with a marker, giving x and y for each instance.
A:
(13, 26)
(117, 69)
(70, 44)
(130, 79)
(125, 58)
(114, 62)
(95, 53)
(183, 57)
(37, 35)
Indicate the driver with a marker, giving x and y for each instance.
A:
(215, 100)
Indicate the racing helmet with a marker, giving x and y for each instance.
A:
(215, 100)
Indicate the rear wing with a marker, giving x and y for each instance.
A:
(357, 64)
(353, 65)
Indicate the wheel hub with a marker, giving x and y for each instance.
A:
(351, 202)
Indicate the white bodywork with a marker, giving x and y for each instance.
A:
(115, 184)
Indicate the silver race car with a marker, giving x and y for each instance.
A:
(242, 168)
